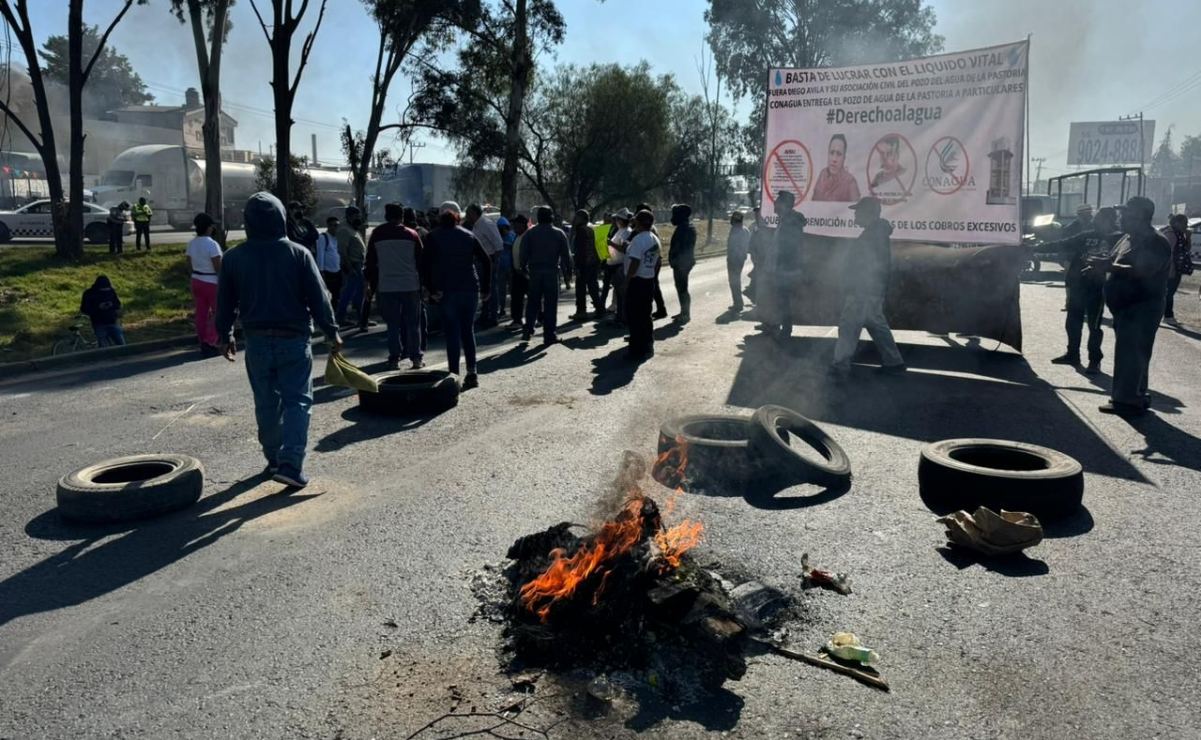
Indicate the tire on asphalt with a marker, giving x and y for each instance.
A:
(771, 427)
(713, 456)
(1000, 474)
(412, 392)
(127, 488)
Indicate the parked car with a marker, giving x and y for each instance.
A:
(33, 220)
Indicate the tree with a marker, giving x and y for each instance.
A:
(480, 106)
(66, 213)
(1166, 161)
(283, 29)
(112, 84)
(209, 18)
(402, 24)
(748, 38)
(266, 177)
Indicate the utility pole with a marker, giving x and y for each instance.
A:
(1142, 147)
(414, 145)
(1039, 172)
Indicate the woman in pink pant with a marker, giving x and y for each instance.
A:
(204, 259)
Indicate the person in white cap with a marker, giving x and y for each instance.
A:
(459, 277)
(869, 262)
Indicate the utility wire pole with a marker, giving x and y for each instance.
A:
(1142, 147)
(1039, 172)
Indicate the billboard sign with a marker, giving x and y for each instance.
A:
(1096, 143)
(938, 140)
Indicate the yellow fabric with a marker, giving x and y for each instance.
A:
(339, 371)
(141, 212)
(601, 234)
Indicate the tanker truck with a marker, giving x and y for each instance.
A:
(172, 182)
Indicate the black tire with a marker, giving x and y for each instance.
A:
(716, 448)
(966, 473)
(6, 234)
(132, 487)
(770, 428)
(412, 393)
(96, 233)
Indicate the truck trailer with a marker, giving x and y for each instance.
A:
(173, 183)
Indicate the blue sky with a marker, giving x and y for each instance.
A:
(1090, 59)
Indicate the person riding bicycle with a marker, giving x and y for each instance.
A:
(102, 305)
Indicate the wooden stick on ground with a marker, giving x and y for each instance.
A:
(870, 678)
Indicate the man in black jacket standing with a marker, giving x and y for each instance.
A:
(544, 253)
(681, 255)
(1086, 301)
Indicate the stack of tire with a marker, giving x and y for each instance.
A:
(412, 393)
(728, 451)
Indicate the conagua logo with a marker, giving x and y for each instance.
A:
(947, 167)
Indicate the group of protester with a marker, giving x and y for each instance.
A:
(1118, 260)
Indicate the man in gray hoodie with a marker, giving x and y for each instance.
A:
(868, 263)
(273, 286)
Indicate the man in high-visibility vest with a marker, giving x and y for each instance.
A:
(141, 213)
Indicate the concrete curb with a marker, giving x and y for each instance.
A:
(24, 367)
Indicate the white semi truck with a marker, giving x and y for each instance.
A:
(173, 183)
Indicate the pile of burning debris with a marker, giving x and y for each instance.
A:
(626, 596)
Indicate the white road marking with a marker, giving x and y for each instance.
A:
(177, 418)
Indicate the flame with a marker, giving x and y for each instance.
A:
(566, 574)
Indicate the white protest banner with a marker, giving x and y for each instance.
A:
(938, 140)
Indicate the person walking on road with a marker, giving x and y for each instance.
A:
(1135, 289)
(660, 304)
(328, 261)
(204, 261)
(519, 282)
(504, 269)
(1180, 238)
(865, 282)
(460, 276)
(102, 306)
(737, 246)
(141, 213)
(544, 253)
(789, 244)
(300, 229)
(682, 256)
(271, 284)
(587, 267)
(394, 261)
(758, 249)
(352, 253)
(641, 262)
(488, 235)
(1086, 299)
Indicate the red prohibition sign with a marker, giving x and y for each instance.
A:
(800, 192)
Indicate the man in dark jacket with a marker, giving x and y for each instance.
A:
(394, 263)
(300, 229)
(1135, 286)
(102, 306)
(865, 283)
(273, 286)
(1086, 301)
(1177, 234)
(544, 252)
(786, 275)
(587, 267)
(681, 255)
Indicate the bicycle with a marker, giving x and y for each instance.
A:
(73, 342)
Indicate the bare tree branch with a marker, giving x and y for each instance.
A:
(104, 40)
(308, 44)
(262, 23)
(12, 116)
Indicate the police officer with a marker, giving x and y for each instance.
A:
(141, 223)
(1086, 301)
(1135, 287)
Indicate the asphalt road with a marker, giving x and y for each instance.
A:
(262, 615)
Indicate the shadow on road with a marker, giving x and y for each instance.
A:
(949, 392)
(365, 426)
(613, 371)
(1019, 565)
(1166, 444)
(85, 570)
(514, 357)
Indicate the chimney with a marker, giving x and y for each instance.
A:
(192, 98)
(314, 140)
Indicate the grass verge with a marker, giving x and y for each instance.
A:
(40, 294)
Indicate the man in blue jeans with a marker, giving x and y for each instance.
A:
(273, 286)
